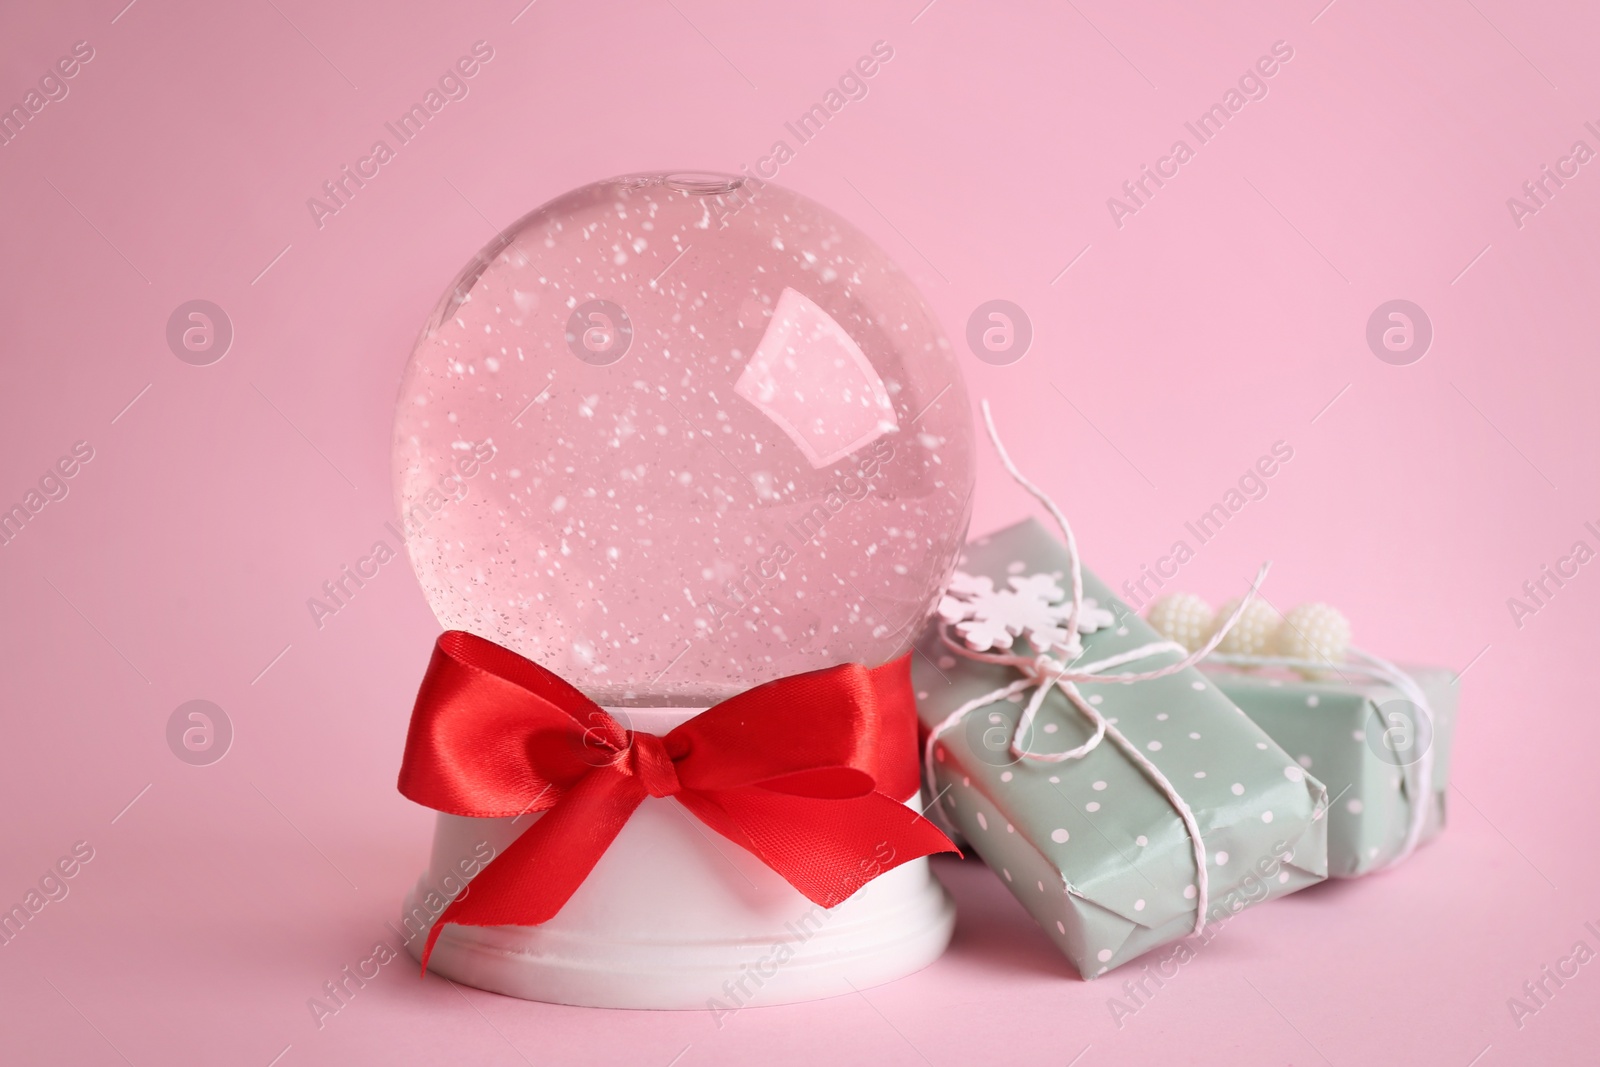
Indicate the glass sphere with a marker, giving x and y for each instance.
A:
(673, 436)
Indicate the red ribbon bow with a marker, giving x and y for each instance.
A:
(808, 773)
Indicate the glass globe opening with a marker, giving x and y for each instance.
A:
(675, 435)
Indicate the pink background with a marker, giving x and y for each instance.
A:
(1225, 315)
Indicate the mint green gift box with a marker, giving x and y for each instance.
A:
(1092, 847)
(1364, 740)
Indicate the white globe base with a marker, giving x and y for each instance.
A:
(675, 916)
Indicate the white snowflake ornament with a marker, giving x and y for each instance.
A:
(1028, 606)
(969, 601)
(1041, 586)
(1093, 617)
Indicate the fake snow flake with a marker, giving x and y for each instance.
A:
(1031, 606)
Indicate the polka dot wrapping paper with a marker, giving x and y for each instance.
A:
(1092, 847)
(1363, 740)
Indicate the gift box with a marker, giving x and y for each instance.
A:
(1095, 847)
(1366, 741)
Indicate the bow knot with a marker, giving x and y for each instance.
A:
(1044, 667)
(808, 773)
(648, 760)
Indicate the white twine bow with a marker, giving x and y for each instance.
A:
(1044, 672)
(1418, 774)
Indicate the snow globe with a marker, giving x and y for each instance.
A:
(671, 437)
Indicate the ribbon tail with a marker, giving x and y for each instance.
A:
(537, 873)
(826, 848)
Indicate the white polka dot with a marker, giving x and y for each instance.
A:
(1294, 774)
(983, 824)
(1014, 698)
(1016, 566)
(1096, 698)
(1194, 737)
(922, 694)
(1353, 806)
(1138, 905)
(1103, 955)
(1154, 746)
(938, 753)
(1093, 805)
(1262, 745)
(946, 662)
(1313, 700)
(1188, 892)
(1098, 786)
(1006, 873)
(1113, 720)
(1010, 829)
(1101, 971)
(1266, 816)
(1141, 841)
(1358, 735)
(1237, 789)
(1122, 631)
(1050, 727)
(1304, 761)
(1054, 780)
(1199, 774)
(1059, 836)
(1060, 926)
(1163, 717)
(966, 781)
(1221, 859)
(1006, 776)
(1288, 856)
(1041, 887)
(1283, 877)
(1197, 685)
(1276, 683)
